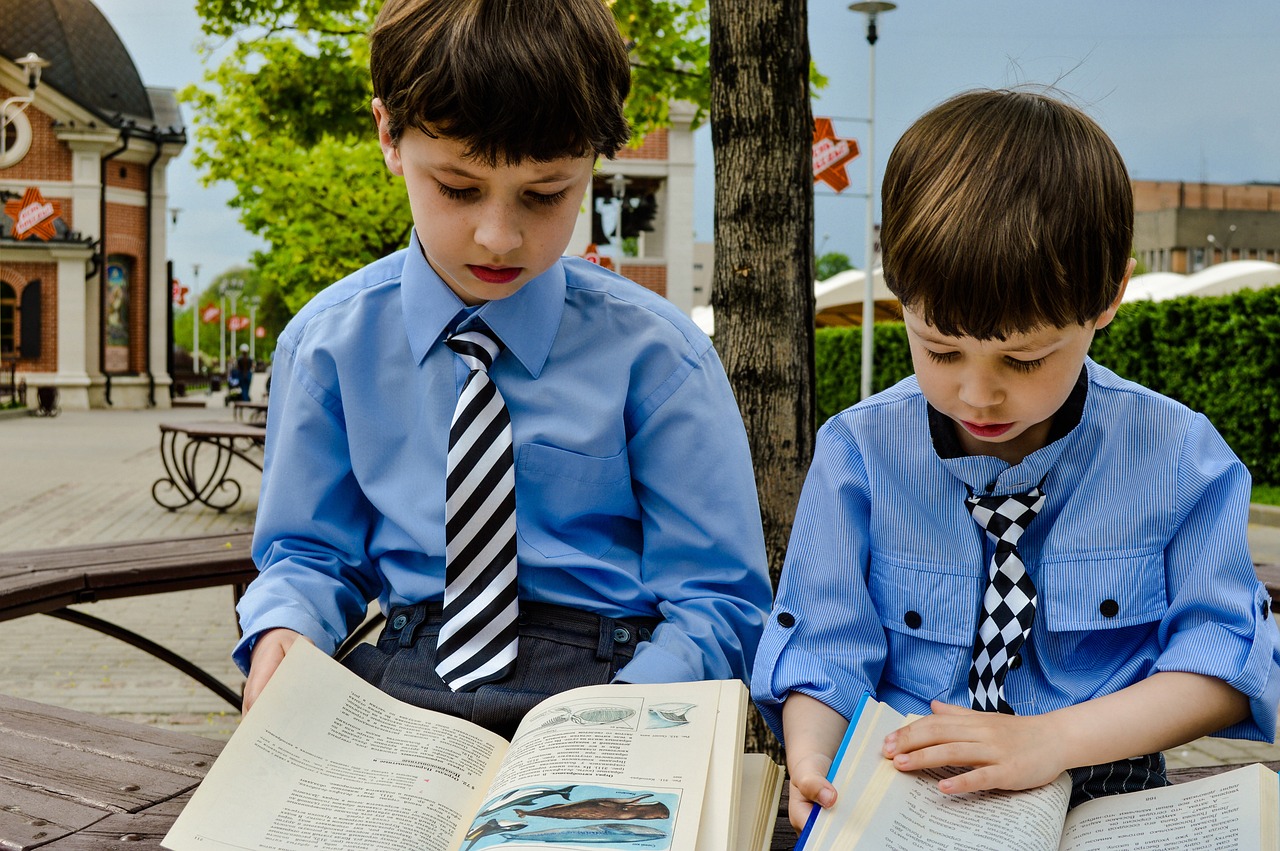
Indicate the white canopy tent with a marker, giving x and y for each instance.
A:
(1220, 279)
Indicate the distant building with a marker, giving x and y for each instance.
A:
(1185, 227)
(654, 182)
(84, 289)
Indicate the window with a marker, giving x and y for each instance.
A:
(8, 303)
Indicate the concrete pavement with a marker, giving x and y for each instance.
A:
(86, 476)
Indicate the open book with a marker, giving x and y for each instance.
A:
(327, 761)
(881, 808)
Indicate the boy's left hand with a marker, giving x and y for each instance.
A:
(1004, 751)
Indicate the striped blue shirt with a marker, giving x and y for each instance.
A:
(634, 489)
(1140, 557)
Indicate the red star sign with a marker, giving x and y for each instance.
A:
(33, 215)
(830, 154)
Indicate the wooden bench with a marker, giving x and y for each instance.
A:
(197, 460)
(46, 581)
(254, 413)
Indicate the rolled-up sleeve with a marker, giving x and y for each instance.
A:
(1219, 621)
(824, 637)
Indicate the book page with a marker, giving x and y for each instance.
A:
(327, 762)
(1225, 812)
(608, 766)
(759, 790)
(879, 808)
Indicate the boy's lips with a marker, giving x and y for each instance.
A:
(986, 429)
(496, 274)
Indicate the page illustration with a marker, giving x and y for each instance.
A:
(580, 813)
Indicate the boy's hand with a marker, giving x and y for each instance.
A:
(1004, 751)
(809, 786)
(268, 653)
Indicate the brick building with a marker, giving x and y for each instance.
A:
(1185, 227)
(655, 180)
(84, 290)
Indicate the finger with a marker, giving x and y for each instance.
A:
(945, 754)
(937, 707)
(975, 780)
(815, 788)
(798, 810)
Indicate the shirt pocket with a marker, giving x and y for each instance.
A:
(567, 502)
(1099, 612)
(930, 616)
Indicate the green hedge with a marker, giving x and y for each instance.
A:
(1217, 355)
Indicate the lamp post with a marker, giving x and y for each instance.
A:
(232, 286)
(872, 9)
(33, 65)
(254, 301)
(195, 318)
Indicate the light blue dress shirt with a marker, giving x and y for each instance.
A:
(1140, 557)
(634, 489)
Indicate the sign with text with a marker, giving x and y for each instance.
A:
(830, 153)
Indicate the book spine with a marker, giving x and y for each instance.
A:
(835, 766)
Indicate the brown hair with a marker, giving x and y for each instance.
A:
(511, 79)
(1005, 211)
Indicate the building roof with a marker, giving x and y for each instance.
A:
(89, 63)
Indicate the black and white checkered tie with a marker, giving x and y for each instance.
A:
(1009, 605)
(478, 631)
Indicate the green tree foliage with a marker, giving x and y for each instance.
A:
(830, 264)
(285, 119)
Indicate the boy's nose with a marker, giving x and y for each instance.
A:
(979, 392)
(497, 230)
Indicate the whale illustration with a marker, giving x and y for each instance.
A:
(602, 808)
(492, 827)
(592, 834)
(523, 798)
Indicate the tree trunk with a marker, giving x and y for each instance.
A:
(762, 290)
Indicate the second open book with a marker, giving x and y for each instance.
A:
(327, 761)
(879, 808)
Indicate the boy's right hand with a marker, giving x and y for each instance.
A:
(268, 653)
(809, 786)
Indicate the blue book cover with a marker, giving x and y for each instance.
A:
(835, 766)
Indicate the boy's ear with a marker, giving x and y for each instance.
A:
(1110, 313)
(390, 151)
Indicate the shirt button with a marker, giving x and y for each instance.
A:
(621, 635)
(399, 622)
(912, 620)
(1109, 608)
(786, 619)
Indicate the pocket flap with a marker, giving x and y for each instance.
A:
(932, 603)
(1085, 594)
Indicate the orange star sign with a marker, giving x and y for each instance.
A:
(33, 215)
(830, 155)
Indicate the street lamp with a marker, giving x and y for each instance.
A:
(33, 65)
(871, 9)
(195, 318)
(254, 301)
(232, 286)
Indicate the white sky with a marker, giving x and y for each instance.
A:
(1186, 89)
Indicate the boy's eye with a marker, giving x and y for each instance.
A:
(454, 194)
(941, 357)
(549, 199)
(1024, 365)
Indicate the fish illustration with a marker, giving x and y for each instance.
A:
(672, 714)
(522, 798)
(492, 827)
(601, 715)
(591, 834)
(603, 808)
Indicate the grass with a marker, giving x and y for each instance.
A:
(1266, 494)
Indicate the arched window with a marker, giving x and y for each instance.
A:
(8, 305)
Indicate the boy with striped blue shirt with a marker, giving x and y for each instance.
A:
(1104, 602)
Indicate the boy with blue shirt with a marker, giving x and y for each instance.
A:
(1015, 528)
(635, 551)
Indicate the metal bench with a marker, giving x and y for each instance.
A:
(46, 581)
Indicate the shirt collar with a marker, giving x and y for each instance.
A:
(526, 322)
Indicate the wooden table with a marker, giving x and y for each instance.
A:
(70, 781)
(197, 461)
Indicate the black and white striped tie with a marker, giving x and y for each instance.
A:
(478, 631)
(1009, 604)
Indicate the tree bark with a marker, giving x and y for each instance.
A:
(762, 285)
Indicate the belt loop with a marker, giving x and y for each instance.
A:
(608, 629)
(417, 614)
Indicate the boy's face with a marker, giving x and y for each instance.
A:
(1001, 394)
(487, 231)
